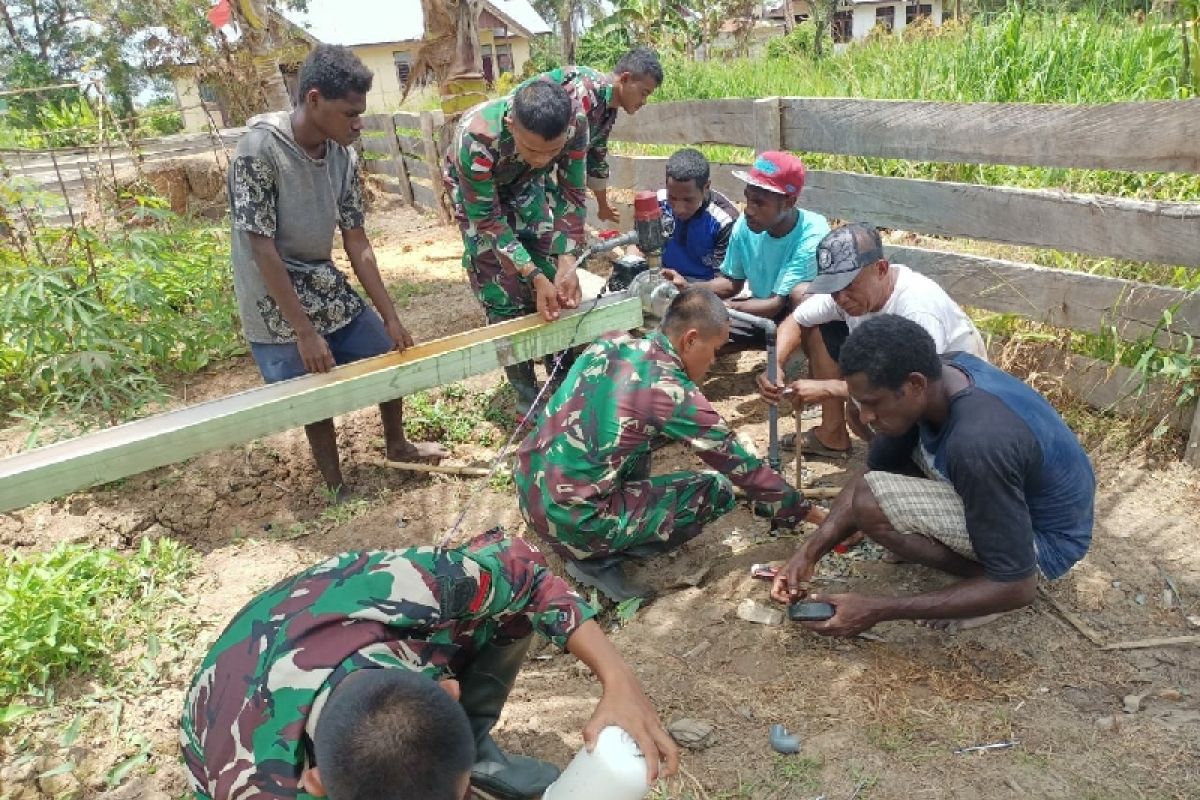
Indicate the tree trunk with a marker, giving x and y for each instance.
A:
(253, 16)
(465, 86)
(789, 17)
(10, 26)
(567, 32)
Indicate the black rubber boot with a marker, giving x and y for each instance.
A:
(485, 684)
(521, 377)
(607, 576)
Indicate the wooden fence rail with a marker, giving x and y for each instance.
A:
(413, 161)
(1132, 137)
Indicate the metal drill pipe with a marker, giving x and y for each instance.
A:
(768, 328)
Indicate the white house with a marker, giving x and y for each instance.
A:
(385, 35)
(857, 18)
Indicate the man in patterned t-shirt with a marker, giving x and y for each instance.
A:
(291, 181)
(309, 691)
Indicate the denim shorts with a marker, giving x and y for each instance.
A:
(363, 337)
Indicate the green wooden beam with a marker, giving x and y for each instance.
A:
(177, 435)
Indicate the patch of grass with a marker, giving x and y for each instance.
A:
(802, 773)
(70, 608)
(403, 292)
(454, 415)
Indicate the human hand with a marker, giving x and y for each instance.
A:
(566, 282)
(315, 352)
(401, 338)
(810, 391)
(607, 213)
(677, 280)
(625, 705)
(545, 296)
(768, 388)
(791, 582)
(853, 614)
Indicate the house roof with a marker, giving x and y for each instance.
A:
(355, 22)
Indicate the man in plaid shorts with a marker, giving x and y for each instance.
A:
(971, 472)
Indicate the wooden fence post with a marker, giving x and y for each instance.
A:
(768, 125)
(1191, 454)
(431, 121)
(389, 129)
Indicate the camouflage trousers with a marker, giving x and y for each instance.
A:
(502, 293)
(665, 510)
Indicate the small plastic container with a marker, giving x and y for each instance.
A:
(615, 770)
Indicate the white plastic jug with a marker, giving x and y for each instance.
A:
(615, 770)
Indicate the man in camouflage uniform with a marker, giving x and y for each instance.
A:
(583, 475)
(519, 240)
(253, 713)
(637, 74)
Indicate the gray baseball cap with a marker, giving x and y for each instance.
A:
(842, 254)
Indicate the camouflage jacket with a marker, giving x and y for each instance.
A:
(593, 91)
(255, 699)
(488, 181)
(622, 393)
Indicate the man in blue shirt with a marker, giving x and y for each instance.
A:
(971, 472)
(772, 249)
(697, 221)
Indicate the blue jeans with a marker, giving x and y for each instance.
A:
(363, 337)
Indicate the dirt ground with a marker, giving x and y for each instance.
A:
(880, 717)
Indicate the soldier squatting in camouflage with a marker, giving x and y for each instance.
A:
(577, 473)
(254, 702)
(507, 217)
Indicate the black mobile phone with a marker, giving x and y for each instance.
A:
(810, 612)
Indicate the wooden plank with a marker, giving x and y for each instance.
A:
(431, 123)
(418, 168)
(398, 161)
(382, 166)
(1166, 233)
(412, 146)
(690, 123)
(405, 119)
(1163, 232)
(377, 122)
(424, 195)
(1191, 453)
(375, 145)
(167, 438)
(1141, 137)
(768, 127)
(1075, 300)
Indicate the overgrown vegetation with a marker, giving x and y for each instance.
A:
(92, 323)
(75, 606)
(453, 415)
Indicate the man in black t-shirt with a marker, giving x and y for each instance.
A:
(971, 472)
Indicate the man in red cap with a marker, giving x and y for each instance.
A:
(771, 256)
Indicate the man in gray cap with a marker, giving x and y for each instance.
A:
(854, 283)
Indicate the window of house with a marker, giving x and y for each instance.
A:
(504, 58)
(208, 92)
(403, 66)
(886, 16)
(916, 10)
(842, 26)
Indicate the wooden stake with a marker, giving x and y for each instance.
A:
(1070, 616)
(1141, 644)
(439, 469)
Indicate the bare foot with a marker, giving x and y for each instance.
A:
(956, 625)
(420, 452)
(891, 558)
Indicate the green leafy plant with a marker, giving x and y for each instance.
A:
(72, 607)
(91, 324)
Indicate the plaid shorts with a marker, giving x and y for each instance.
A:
(919, 505)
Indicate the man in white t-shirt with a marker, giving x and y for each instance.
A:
(854, 283)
